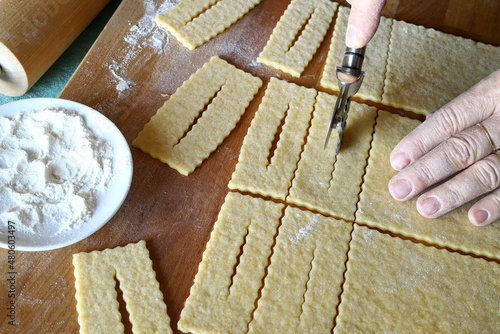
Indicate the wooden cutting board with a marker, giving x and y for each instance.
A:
(127, 75)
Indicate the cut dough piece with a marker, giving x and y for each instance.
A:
(297, 35)
(397, 286)
(378, 208)
(374, 64)
(229, 90)
(426, 68)
(230, 275)
(302, 288)
(284, 105)
(322, 182)
(193, 22)
(96, 295)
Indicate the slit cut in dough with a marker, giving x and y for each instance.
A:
(298, 35)
(377, 208)
(326, 183)
(397, 286)
(97, 305)
(302, 288)
(166, 136)
(193, 22)
(230, 275)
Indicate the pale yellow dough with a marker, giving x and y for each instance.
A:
(374, 64)
(230, 275)
(324, 182)
(193, 22)
(283, 101)
(397, 286)
(96, 274)
(427, 68)
(308, 18)
(230, 91)
(301, 290)
(377, 207)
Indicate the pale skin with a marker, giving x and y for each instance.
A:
(449, 145)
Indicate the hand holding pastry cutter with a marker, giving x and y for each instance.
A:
(349, 77)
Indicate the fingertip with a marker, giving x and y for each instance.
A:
(353, 38)
(399, 160)
(400, 188)
(479, 217)
(429, 207)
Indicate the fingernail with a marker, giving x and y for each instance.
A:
(351, 37)
(430, 206)
(400, 189)
(400, 160)
(480, 216)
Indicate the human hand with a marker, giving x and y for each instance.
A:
(363, 21)
(450, 142)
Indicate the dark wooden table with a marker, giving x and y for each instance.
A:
(127, 76)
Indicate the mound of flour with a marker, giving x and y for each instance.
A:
(51, 169)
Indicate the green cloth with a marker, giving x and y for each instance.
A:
(56, 77)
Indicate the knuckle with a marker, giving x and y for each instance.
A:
(456, 197)
(424, 176)
(420, 146)
(487, 174)
(451, 194)
(461, 150)
(495, 198)
(447, 121)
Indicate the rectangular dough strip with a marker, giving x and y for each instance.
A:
(397, 286)
(310, 19)
(230, 275)
(302, 288)
(326, 183)
(253, 172)
(96, 296)
(229, 89)
(377, 208)
(193, 22)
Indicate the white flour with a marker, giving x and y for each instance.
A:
(51, 168)
(143, 39)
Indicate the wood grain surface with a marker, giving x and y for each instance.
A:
(127, 75)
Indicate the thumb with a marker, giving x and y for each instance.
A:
(363, 21)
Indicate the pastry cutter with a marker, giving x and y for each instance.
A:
(350, 77)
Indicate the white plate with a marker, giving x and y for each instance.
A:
(108, 202)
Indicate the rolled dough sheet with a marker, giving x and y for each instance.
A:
(98, 309)
(397, 286)
(283, 102)
(377, 208)
(193, 22)
(323, 182)
(218, 87)
(374, 64)
(427, 68)
(230, 275)
(297, 35)
(302, 288)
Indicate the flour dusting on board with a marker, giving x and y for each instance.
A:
(143, 39)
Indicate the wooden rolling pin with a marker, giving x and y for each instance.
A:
(34, 33)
